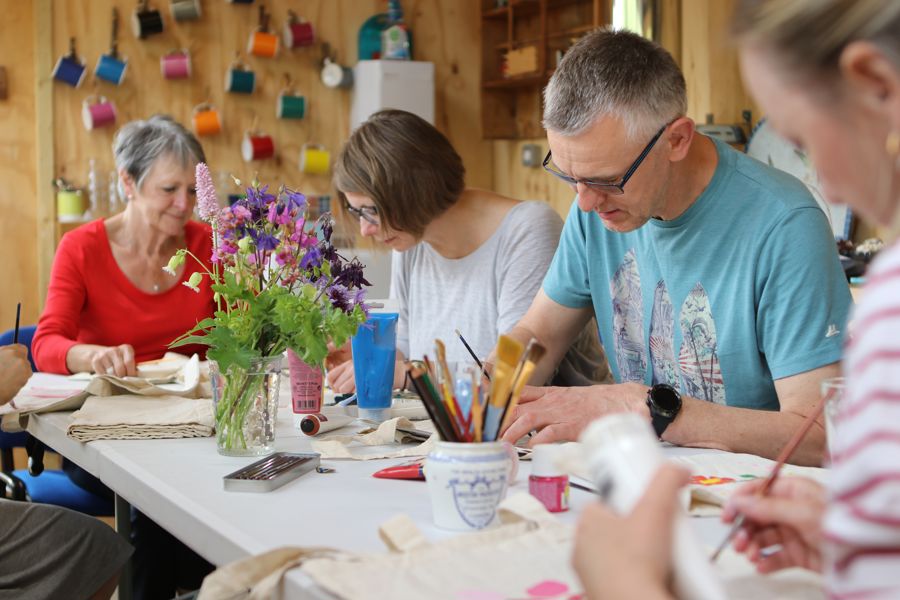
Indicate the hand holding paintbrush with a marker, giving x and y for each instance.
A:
(785, 455)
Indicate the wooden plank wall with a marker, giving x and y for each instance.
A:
(18, 223)
(446, 32)
(695, 32)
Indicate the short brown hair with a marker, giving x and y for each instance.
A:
(405, 165)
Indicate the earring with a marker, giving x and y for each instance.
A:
(892, 143)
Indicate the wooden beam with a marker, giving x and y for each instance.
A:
(45, 165)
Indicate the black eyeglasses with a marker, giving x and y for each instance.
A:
(368, 213)
(613, 189)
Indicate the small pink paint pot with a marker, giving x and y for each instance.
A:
(176, 65)
(97, 113)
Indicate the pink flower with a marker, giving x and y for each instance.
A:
(207, 202)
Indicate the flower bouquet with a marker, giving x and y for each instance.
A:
(278, 283)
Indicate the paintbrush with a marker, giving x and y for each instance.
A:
(786, 453)
(472, 354)
(418, 373)
(18, 314)
(532, 356)
(509, 350)
(447, 385)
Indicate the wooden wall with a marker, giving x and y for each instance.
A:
(446, 32)
(695, 32)
(18, 223)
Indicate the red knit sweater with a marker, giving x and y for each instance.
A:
(91, 301)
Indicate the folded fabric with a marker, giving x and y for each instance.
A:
(371, 445)
(135, 417)
(528, 556)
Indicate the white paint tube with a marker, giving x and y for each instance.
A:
(315, 424)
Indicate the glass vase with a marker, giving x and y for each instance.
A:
(246, 402)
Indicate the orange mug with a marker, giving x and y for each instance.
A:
(206, 120)
(263, 43)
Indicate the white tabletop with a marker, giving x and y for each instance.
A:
(178, 483)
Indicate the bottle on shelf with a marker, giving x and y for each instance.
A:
(395, 39)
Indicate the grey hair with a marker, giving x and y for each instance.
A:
(618, 74)
(808, 36)
(139, 144)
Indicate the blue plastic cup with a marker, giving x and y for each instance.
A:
(374, 352)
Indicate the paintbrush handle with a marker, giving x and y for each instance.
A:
(785, 455)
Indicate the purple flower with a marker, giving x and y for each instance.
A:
(351, 275)
(207, 202)
(340, 297)
(265, 241)
(312, 258)
(295, 200)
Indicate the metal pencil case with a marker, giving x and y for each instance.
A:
(271, 472)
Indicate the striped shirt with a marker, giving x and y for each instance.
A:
(862, 525)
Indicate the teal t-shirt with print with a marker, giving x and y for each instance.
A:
(743, 288)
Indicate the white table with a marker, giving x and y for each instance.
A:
(178, 483)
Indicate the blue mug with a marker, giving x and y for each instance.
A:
(68, 70)
(111, 69)
(374, 353)
(240, 81)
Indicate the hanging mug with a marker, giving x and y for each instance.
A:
(69, 70)
(240, 80)
(257, 146)
(98, 112)
(176, 64)
(263, 43)
(69, 205)
(146, 22)
(298, 33)
(314, 159)
(185, 10)
(111, 69)
(206, 120)
(290, 106)
(336, 76)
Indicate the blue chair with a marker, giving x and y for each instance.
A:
(43, 487)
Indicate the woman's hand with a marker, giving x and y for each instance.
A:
(14, 370)
(630, 557)
(115, 360)
(789, 516)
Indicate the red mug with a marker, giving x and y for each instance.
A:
(257, 147)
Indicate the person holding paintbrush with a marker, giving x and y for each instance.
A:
(464, 259)
(827, 74)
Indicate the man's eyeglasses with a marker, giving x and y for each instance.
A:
(368, 213)
(605, 187)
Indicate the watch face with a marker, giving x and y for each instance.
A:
(665, 398)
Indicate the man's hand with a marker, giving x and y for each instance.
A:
(14, 370)
(562, 413)
(790, 515)
(114, 360)
(630, 556)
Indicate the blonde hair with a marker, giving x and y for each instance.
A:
(808, 36)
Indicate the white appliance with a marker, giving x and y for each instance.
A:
(403, 84)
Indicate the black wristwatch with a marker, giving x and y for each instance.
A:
(664, 403)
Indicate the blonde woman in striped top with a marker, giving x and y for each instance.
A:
(827, 74)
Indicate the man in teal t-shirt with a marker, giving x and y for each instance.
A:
(708, 271)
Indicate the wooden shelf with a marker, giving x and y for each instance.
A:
(511, 106)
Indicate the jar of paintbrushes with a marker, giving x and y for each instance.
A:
(469, 470)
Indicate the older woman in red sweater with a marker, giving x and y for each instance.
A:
(110, 305)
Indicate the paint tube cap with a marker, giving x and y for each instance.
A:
(375, 414)
(544, 459)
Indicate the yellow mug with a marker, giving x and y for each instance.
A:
(314, 159)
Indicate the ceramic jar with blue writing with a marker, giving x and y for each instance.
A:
(466, 482)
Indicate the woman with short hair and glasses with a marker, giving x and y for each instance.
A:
(464, 258)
